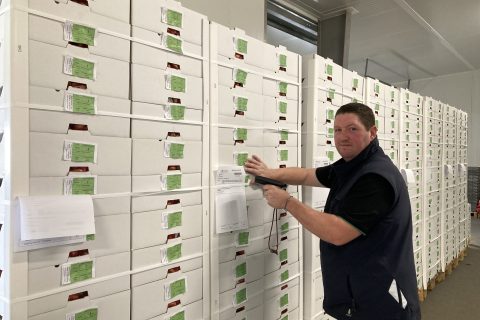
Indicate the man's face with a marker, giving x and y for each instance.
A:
(351, 136)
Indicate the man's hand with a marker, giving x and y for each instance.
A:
(275, 196)
(256, 167)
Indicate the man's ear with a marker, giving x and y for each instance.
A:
(373, 132)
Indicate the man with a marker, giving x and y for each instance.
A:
(366, 230)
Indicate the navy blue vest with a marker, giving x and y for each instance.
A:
(357, 276)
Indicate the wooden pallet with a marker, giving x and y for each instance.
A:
(422, 294)
(439, 278)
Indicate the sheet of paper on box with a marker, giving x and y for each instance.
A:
(46, 217)
(230, 199)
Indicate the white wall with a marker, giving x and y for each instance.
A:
(461, 90)
(249, 15)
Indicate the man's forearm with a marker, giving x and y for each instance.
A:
(295, 176)
(326, 226)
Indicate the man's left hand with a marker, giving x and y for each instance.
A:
(275, 196)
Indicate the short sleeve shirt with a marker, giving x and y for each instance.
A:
(369, 199)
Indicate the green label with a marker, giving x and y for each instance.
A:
(241, 270)
(331, 93)
(283, 155)
(174, 252)
(176, 150)
(241, 159)
(177, 112)
(282, 87)
(241, 134)
(83, 104)
(83, 34)
(174, 44)
(377, 107)
(174, 18)
(284, 276)
(90, 237)
(329, 69)
(377, 123)
(247, 179)
(177, 84)
(282, 60)
(178, 316)
(282, 106)
(377, 89)
(392, 95)
(283, 135)
(81, 271)
(174, 181)
(177, 288)
(89, 314)
(243, 238)
(330, 114)
(83, 69)
(241, 104)
(174, 219)
(283, 255)
(285, 318)
(83, 185)
(355, 83)
(241, 296)
(331, 132)
(284, 227)
(284, 300)
(241, 76)
(330, 155)
(82, 152)
(242, 46)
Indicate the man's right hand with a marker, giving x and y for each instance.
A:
(256, 167)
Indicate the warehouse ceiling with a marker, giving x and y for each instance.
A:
(407, 39)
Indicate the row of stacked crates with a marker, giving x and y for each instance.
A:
(133, 85)
(414, 132)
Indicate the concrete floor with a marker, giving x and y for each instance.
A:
(457, 298)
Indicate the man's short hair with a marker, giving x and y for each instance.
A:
(364, 113)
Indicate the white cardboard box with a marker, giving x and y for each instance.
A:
(330, 71)
(47, 62)
(43, 186)
(231, 111)
(52, 32)
(254, 271)
(47, 275)
(150, 156)
(151, 299)
(75, 11)
(147, 14)
(159, 86)
(352, 83)
(273, 113)
(115, 306)
(96, 291)
(278, 301)
(153, 183)
(58, 121)
(254, 298)
(150, 256)
(332, 94)
(275, 88)
(229, 249)
(160, 59)
(150, 229)
(113, 155)
(163, 201)
(232, 77)
(147, 129)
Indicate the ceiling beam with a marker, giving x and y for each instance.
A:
(421, 21)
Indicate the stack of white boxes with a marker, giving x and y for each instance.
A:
(451, 220)
(169, 161)
(69, 72)
(385, 102)
(412, 158)
(433, 186)
(255, 110)
(462, 208)
(326, 87)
